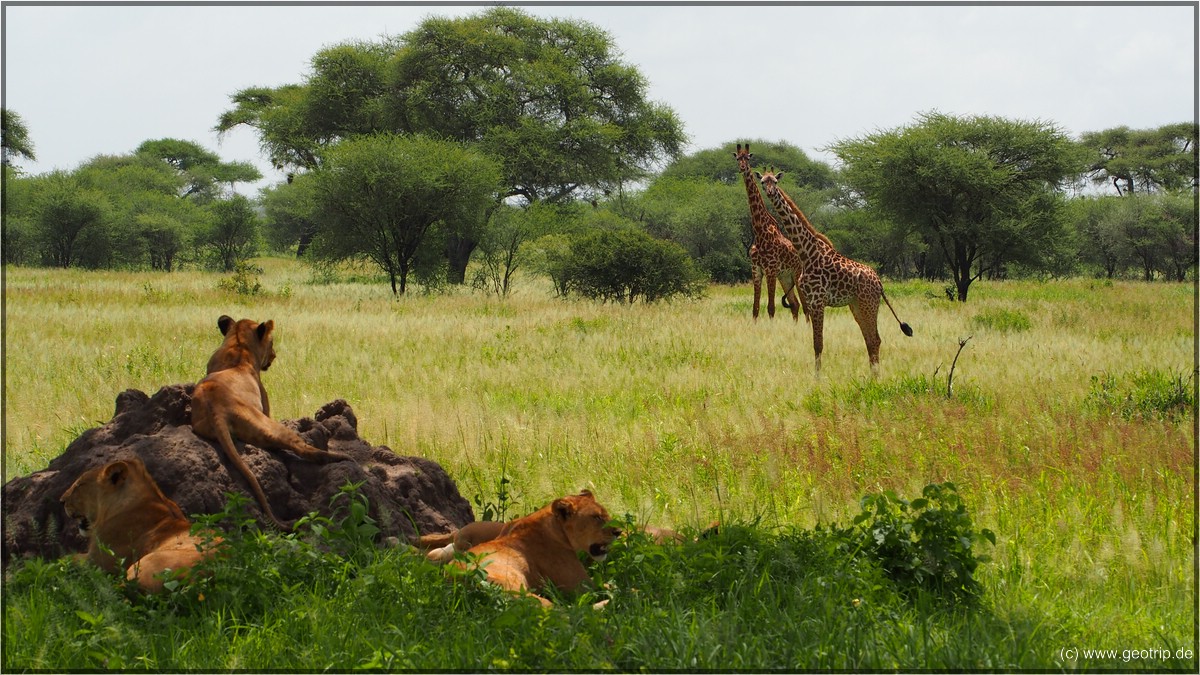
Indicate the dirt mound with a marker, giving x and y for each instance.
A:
(407, 494)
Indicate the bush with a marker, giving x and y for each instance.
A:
(626, 265)
(1002, 320)
(1143, 394)
(244, 280)
(926, 543)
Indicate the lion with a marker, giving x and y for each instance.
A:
(540, 549)
(440, 548)
(128, 520)
(232, 401)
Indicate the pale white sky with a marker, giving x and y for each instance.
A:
(91, 79)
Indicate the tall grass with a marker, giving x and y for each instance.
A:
(687, 412)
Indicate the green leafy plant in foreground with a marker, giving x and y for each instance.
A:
(926, 543)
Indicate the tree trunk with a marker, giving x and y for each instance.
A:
(306, 238)
(458, 253)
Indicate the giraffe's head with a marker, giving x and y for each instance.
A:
(769, 180)
(743, 156)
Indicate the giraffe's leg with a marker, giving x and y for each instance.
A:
(818, 327)
(756, 276)
(771, 279)
(866, 313)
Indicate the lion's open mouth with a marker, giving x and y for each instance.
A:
(598, 551)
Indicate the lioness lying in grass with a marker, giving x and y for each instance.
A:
(128, 520)
(533, 552)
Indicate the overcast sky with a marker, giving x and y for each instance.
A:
(91, 80)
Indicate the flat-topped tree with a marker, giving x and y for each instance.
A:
(550, 99)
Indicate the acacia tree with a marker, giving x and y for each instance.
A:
(231, 235)
(714, 164)
(71, 222)
(202, 171)
(381, 194)
(289, 215)
(14, 141)
(549, 99)
(1143, 160)
(984, 190)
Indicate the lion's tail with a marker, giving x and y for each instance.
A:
(225, 440)
(431, 541)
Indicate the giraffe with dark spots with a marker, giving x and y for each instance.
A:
(830, 279)
(772, 254)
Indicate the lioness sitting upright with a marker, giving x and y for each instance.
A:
(126, 517)
(539, 549)
(231, 401)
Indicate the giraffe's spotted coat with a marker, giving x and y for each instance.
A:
(772, 253)
(830, 279)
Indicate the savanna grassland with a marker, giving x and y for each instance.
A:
(1070, 434)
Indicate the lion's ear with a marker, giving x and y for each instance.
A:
(265, 328)
(224, 323)
(562, 508)
(115, 473)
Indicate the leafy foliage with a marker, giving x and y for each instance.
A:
(244, 280)
(548, 99)
(707, 218)
(832, 601)
(1002, 320)
(380, 195)
(927, 543)
(627, 265)
(1144, 393)
(983, 190)
(1144, 160)
(231, 237)
(71, 223)
(717, 165)
(14, 137)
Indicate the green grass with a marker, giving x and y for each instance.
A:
(1071, 439)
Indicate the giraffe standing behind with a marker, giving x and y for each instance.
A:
(771, 252)
(830, 278)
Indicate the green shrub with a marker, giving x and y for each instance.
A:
(244, 280)
(1145, 394)
(627, 265)
(927, 543)
(1002, 320)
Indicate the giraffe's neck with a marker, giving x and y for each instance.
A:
(760, 218)
(805, 238)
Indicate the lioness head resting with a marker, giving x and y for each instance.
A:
(585, 523)
(256, 338)
(118, 490)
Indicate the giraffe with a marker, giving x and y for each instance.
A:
(830, 278)
(771, 252)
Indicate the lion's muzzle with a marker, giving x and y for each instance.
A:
(598, 551)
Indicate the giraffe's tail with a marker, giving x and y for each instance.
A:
(905, 328)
